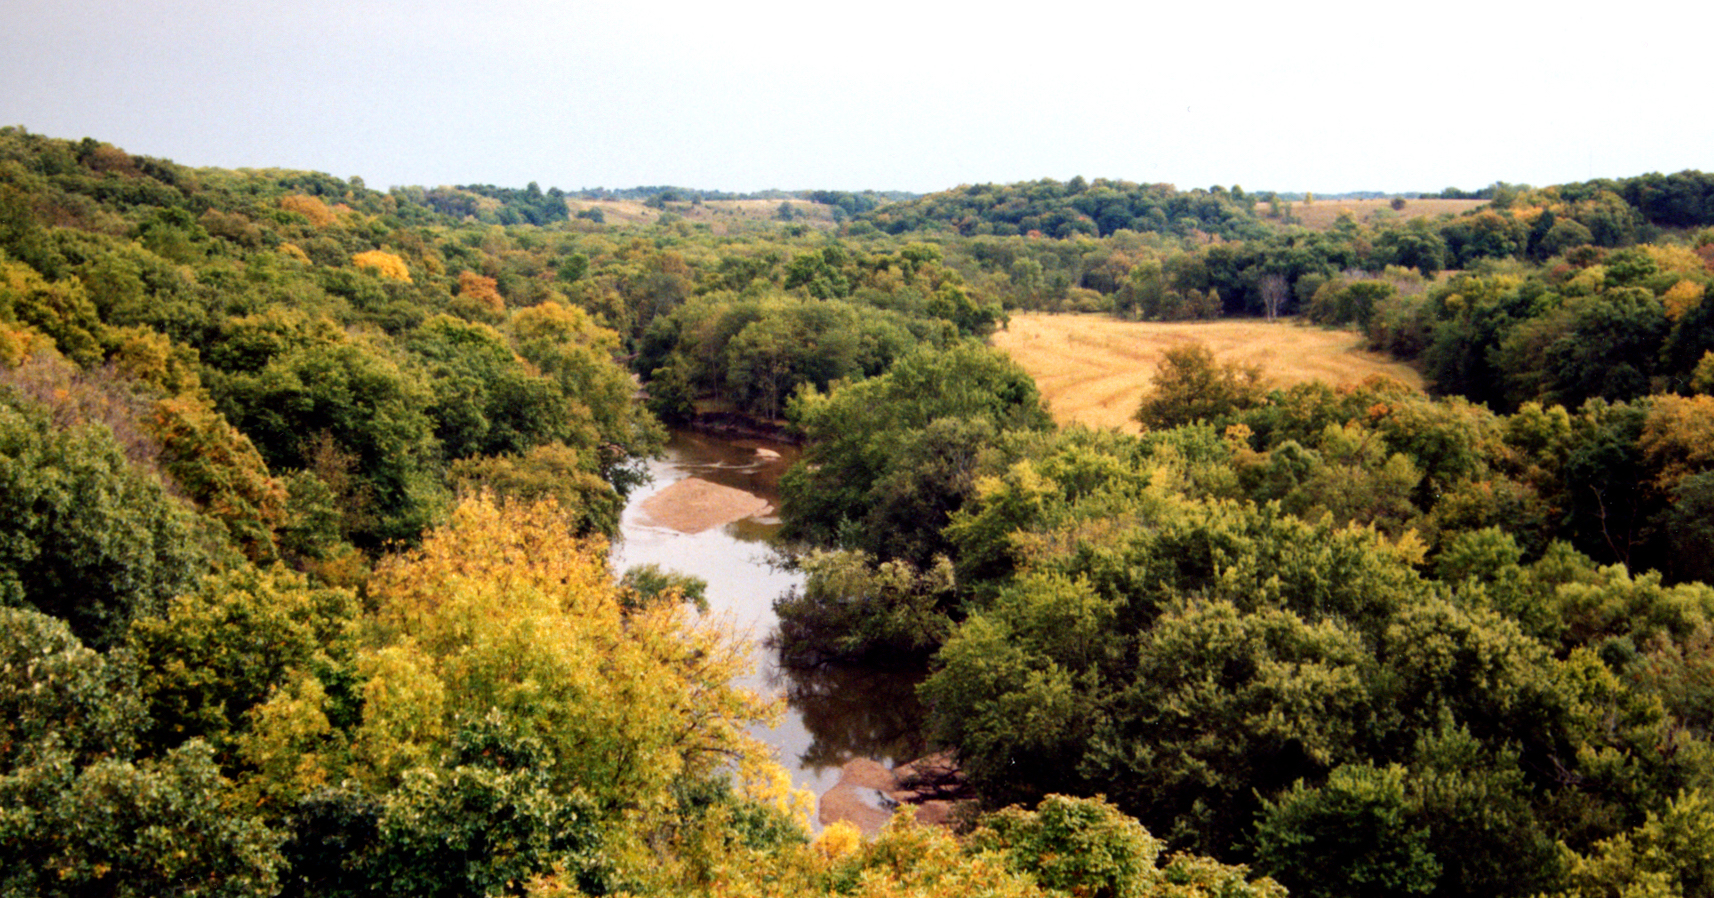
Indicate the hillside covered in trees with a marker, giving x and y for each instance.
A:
(307, 489)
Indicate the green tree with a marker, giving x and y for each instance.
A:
(158, 827)
(1189, 386)
(569, 476)
(486, 401)
(485, 826)
(1224, 707)
(856, 434)
(568, 346)
(1352, 836)
(1671, 853)
(344, 410)
(851, 606)
(1086, 847)
(60, 698)
(220, 650)
(79, 815)
(88, 537)
(60, 309)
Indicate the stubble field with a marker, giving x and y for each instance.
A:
(1094, 369)
(1322, 214)
(722, 216)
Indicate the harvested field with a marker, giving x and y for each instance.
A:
(1321, 214)
(1094, 369)
(722, 216)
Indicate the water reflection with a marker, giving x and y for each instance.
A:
(834, 714)
(753, 466)
(853, 712)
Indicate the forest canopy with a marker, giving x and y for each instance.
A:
(305, 588)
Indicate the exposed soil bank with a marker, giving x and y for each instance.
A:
(868, 793)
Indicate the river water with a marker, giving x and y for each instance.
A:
(833, 714)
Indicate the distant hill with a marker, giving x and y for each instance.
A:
(1077, 207)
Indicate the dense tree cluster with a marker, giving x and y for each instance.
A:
(1365, 640)
(1067, 209)
(1210, 253)
(303, 587)
(1362, 639)
(303, 580)
(767, 327)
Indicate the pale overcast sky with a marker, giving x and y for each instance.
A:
(890, 94)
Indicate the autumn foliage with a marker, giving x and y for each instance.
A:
(303, 490)
(481, 290)
(309, 207)
(386, 265)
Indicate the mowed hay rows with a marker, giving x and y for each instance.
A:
(1094, 369)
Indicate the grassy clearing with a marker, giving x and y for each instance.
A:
(719, 215)
(1094, 369)
(1321, 214)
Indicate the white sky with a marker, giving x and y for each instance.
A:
(890, 94)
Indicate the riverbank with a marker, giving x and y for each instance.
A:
(708, 512)
(868, 793)
(738, 426)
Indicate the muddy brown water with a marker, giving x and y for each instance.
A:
(833, 714)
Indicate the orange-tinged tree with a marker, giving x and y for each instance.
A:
(220, 469)
(1681, 298)
(482, 290)
(309, 207)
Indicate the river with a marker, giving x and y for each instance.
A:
(833, 714)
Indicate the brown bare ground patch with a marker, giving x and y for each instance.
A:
(1321, 214)
(1094, 369)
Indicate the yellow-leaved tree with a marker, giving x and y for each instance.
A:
(385, 264)
(500, 668)
(507, 613)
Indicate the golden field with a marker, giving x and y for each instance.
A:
(720, 215)
(1321, 214)
(1094, 369)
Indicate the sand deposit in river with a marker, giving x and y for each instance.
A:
(693, 505)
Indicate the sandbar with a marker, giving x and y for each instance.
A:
(693, 505)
